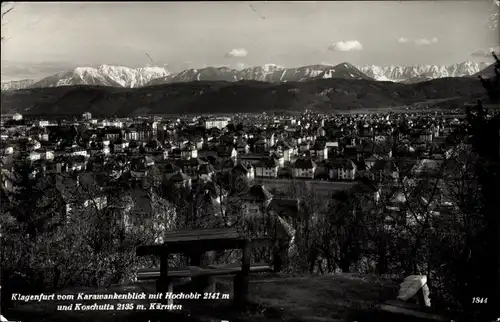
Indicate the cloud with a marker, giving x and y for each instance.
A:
(237, 52)
(485, 52)
(347, 45)
(425, 41)
(418, 41)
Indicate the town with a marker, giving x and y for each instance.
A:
(338, 194)
(278, 158)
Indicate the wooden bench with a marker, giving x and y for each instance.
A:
(194, 243)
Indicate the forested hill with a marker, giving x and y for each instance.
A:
(233, 97)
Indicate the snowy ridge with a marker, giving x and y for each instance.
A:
(205, 74)
(422, 72)
(121, 76)
(104, 75)
(15, 85)
(259, 73)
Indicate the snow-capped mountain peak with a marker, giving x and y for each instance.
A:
(104, 75)
(422, 72)
(271, 67)
(121, 76)
(19, 84)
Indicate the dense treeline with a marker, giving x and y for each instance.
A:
(242, 97)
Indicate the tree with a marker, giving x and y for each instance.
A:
(484, 138)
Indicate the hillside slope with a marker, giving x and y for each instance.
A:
(231, 97)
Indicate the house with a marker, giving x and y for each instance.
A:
(198, 142)
(227, 140)
(243, 169)
(180, 179)
(80, 192)
(285, 150)
(6, 149)
(270, 138)
(370, 161)
(426, 136)
(295, 140)
(226, 151)
(290, 121)
(144, 209)
(206, 172)
(192, 166)
(342, 169)
(189, 152)
(76, 150)
(385, 170)
(304, 146)
(379, 138)
(242, 146)
(168, 169)
(304, 168)
(153, 146)
(333, 148)
(17, 117)
(267, 167)
(138, 170)
(112, 135)
(279, 157)
(212, 191)
(131, 134)
(319, 152)
(368, 148)
(33, 156)
(260, 145)
(45, 154)
(218, 122)
(120, 145)
(76, 163)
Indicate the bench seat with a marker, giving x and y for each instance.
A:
(194, 271)
(233, 268)
(144, 274)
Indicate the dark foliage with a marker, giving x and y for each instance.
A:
(227, 97)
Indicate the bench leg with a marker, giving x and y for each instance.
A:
(204, 284)
(165, 286)
(240, 293)
(242, 278)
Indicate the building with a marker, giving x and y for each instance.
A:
(304, 168)
(267, 167)
(342, 169)
(218, 122)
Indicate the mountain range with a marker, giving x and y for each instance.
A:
(124, 77)
(419, 73)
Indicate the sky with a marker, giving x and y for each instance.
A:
(43, 38)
